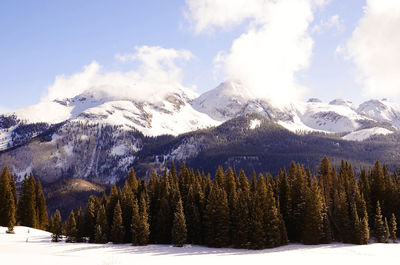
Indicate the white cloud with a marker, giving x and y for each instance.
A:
(156, 75)
(374, 49)
(334, 22)
(275, 46)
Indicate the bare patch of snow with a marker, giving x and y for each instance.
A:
(254, 124)
(119, 150)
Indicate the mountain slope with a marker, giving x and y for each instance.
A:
(97, 137)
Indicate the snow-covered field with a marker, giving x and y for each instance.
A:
(35, 248)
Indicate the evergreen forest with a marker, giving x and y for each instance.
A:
(229, 209)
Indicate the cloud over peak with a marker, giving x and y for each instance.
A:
(374, 49)
(157, 74)
(274, 48)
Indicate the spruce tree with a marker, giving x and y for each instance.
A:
(387, 232)
(240, 227)
(111, 203)
(216, 219)
(136, 224)
(117, 229)
(144, 228)
(257, 228)
(393, 228)
(179, 232)
(101, 225)
(313, 216)
(193, 217)
(71, 230)
(7, 201)
(41, 208)
(132, 181)
(27, 203)
(127, 198)
(364, 235)
(57, 227)
(272, 223)
(50, 226)
(89, 218)
(379, 225)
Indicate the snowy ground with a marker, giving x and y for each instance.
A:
(35, 248)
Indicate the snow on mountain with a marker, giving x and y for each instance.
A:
(381, 110)
(183, 111)
(330, 118)
(230, 100)
(173, 115)
(254, 124)
(364, 134)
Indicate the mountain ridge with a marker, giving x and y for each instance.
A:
(103, 137)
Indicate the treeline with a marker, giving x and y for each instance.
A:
(29, 209)
(231, 211)
(228, 210)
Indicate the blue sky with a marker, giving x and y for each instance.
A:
(43, 39)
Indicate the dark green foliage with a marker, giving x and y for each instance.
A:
(27, 203)
(387, 232)
(89, 218)
(379, 225)
(101, 225)
(313, 216)
(70, 229)
(216, 218)
(393, 228)
(57, 227)
(117, 229)
(188, 207)
(7, 200)
(179, 232)
(41, 209)
(144, 228)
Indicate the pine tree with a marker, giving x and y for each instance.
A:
(257, 228)
(127, 198)
(364, 237)
(89, 218)
(80, 225)
(132, 181)
(298, 196)
(193, 217)
(7, 201)
(41, 208)
(313, 216)
(136, 224)
(50, 226)
(240, 236)
(71, 230)
(379, 225)
(111, 203)
(144, 228)
(387, 232)
(272, 223)
(117, 229)
(101, 225)
(179, 232)
(57, 227)
(27, 203)
(216, 219)
(393, 228)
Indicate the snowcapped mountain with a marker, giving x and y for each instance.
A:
(230, 100)
(173, 115)
(99, 137)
